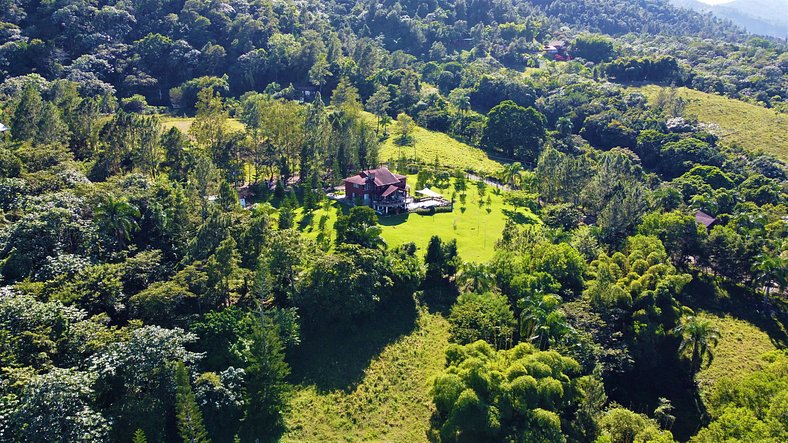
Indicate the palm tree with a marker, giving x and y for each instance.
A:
(463, 103)
(540, 322)
(771, 269)
(118, 217)
(700, 336)
(511, 174)
(476, 277)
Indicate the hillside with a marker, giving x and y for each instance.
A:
(389, 401)
(750, 126)
(430, 146)
(194, 246)
(764, 17)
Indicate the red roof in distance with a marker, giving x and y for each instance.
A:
(382, 176)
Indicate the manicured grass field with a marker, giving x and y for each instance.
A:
(432, 144)
(738, 352)
(750, 126)
(367, 385)
(475, 229)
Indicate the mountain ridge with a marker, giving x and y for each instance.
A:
(763, 17)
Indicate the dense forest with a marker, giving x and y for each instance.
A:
(175, 248)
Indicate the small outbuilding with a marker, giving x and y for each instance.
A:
(705, 220)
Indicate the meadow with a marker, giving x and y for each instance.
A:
(738, 352)
(372, 384)
(750, 126)
(185, 123)
(431, 145)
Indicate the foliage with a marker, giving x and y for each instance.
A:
(67, 390)
(190, 425)
(620, 425)
(359, 227)
(700, 337)
(521, 393)
(640, 291)
(514, 131)
(485, 316)
(751, 408)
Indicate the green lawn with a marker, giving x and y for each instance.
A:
(475, 229)
(351, 391)
(432, 144)
(750, 126)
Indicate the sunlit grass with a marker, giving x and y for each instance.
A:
(752, 127)
(185, 123)
(475, 228)
(738, 352)
(432, 145)
(392, 401)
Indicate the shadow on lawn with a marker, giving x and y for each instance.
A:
(640, 392)
(704, 293)
(517, 217)
(393, 220)
(335, 358)
(396, 220)
(306, 221)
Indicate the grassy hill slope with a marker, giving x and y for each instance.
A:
(432, 144)
(750, 126)
(391, 402)
(738, 352)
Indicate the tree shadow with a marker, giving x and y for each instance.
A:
(393, 220)
(640, 391)
(306, 221)
(706, 293)
(403, 141)
(438, 297)
(517, 217)
(335, 357)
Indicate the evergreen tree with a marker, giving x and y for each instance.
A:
(228, 198)
(190, 424)
(27, 114)
(346, 96)
(267, 390)
(51, 128)
(315, 138)
(139, 437)
(379, 103)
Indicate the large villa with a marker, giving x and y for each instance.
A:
(380, 189)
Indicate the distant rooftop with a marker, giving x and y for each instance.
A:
(705, 219)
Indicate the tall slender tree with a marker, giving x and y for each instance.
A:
(190, 423)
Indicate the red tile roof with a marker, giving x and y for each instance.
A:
(382, 176)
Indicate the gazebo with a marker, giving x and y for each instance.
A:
(427, 192)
